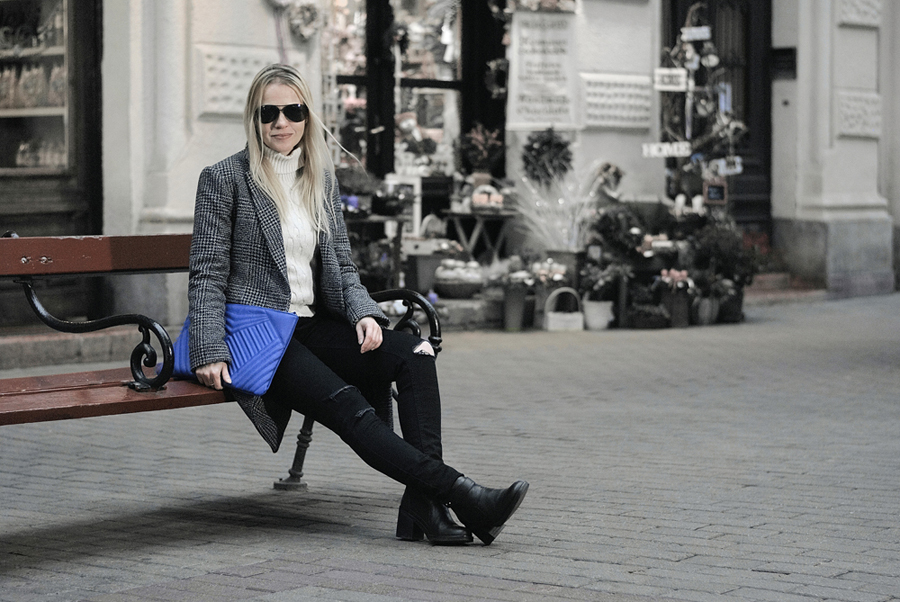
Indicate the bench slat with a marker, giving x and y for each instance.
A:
(69, 255)
(37, 384)
(87, 394)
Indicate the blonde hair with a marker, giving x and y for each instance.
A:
(314, 158)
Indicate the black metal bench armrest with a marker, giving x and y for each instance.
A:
(412, 300)
(144, 353)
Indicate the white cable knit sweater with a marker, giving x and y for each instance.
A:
(297, 231)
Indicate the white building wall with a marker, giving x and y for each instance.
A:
(616, 41)
(785, 107)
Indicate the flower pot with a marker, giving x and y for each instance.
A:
(731, 308)
(420, 272)
(705, 310)
(541, 292)
(514, 307)
(481, 178)
(457, 289)
(597, 314)
(678, 302)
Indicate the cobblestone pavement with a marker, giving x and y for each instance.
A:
(758, 461)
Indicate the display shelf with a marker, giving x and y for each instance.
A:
(33, 171)
(33, 112)
(32, 53)
(36, 128)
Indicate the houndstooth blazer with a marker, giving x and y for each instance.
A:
(237, 256)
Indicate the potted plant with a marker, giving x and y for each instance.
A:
(599, 288)
(482, 149)
(357, 187)
(555, 205)
(724, 267)
(516, 283)
(677, 291)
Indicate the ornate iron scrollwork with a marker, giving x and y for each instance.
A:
(144, 354)
(411, 299)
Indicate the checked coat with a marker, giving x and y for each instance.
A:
(237, 256)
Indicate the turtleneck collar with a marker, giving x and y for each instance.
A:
(283, 164)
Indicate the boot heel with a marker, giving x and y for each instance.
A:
(407, 529)
(487, 537)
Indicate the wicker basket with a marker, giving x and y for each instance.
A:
(560, 320)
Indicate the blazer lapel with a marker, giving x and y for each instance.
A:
(269, 222)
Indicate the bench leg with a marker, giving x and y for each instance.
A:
(295, 480)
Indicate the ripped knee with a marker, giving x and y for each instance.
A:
(424, 348)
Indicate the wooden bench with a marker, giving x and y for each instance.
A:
(137, 388)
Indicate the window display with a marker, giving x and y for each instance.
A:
(427, 124)
(428, 35)
(33, 87)
(394, 100)
(348, 36)
(352, 129)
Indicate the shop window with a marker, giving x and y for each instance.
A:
(34, 91)
(402, 75)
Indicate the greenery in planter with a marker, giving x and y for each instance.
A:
(556, 205)
(705, 251)
(546, 156)
(619, 231)
(481, 148)
(602, 283)
(719, 249)
(355, 180)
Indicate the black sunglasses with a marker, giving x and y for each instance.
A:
(295, 113)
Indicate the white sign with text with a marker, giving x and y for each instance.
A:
(662, 150)
(543, 80)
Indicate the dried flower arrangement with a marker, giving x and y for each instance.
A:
(482, 148)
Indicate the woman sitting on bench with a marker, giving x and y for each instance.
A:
(268, 231)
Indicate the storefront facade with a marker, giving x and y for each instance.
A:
(822, 172)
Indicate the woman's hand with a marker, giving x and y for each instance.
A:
(213, 375)
(368, 332)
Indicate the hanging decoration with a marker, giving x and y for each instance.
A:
(496, 76)
(551, 6)
(546, 156)
(303, 19)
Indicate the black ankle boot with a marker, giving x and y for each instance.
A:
(482, 510)
(421, 516)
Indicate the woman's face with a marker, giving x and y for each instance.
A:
(282, 135)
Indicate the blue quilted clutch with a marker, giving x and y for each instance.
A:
(257, 338)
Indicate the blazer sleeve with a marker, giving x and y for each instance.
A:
(357, 300)
(209, 268)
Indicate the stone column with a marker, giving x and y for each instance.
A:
(890, 148)
(830, 221)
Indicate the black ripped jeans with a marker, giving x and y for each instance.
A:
(323, 375)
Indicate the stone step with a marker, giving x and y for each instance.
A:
(771, 281)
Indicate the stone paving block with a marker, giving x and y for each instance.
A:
(316, 594)
(832, 593)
